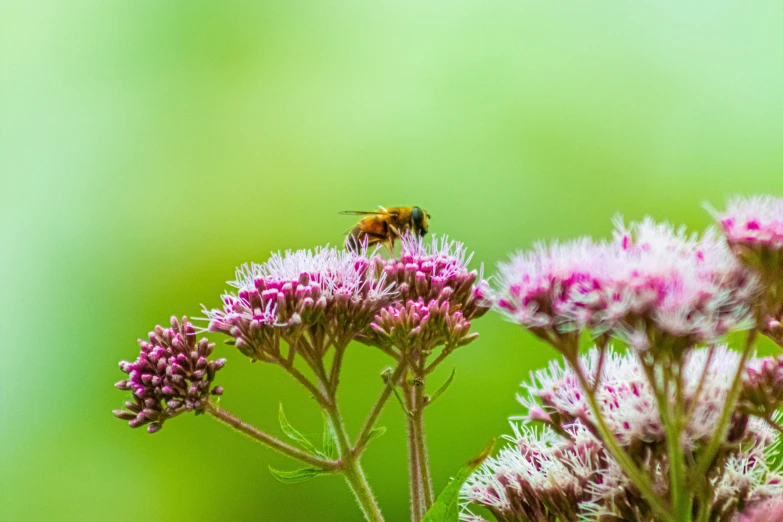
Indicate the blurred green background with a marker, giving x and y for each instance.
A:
(147, 148)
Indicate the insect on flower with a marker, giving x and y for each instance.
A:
(386, 225)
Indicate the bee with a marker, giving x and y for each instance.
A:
(386, 225)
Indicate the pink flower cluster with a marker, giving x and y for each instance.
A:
(334, 289)
(564, 472)
(438, 298)
(438, 270)
(649, 278)
(755, 222)
(629, 405)
(770, 511)
(762, 391)
(421, 325)
(171, 375)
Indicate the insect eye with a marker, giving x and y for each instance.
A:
(418, 216)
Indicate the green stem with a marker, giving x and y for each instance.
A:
(337, 363)
(268, 440)
(672, 424)
(352, 469)
(421, 445)
(700, 387)
(639, 479)
(317, 394)
(414, 469)
(707, 458)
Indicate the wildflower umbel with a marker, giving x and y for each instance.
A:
(754, 228)
(762, 390)
(754, 231)
(651, 279)
(421, 324)
(438, 297)
(565, 471)
(172, 375)
(629, 404)
(335, 292)
(437, 269)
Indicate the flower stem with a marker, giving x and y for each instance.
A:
(421, 445)
(706, 459)
(700, 387)
(414, 468)
(672, 423)
(639, 479)
(268, 440)
(352, 469)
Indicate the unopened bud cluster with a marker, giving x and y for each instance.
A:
(172, 375)
(438, 270)
(438, 298)
(422, 325)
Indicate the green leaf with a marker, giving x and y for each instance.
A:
(446, 507)
(442, 389)
(329, 440)
(293, 434)
(402, 402)
(375, 433)
(295, 476)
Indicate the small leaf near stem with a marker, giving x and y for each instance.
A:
(329, 444)
(296, 476)
(268, 440)
(443, 387)
(293, 434)
(376, 432)
(446, 508)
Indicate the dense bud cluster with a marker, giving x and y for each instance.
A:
(754, 229)
(437, 270)
(171, 375)
(421, 325)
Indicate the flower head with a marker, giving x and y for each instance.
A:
(650, 279)
(563, 470)
(437, 269)
(438, 298)
(628, 403)
(171, 375)
(557, 286)
(762, 390)
(543, 475)
(769, 511)
(421, 324)
(336, 290)
(686, 286)
(754, 228)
